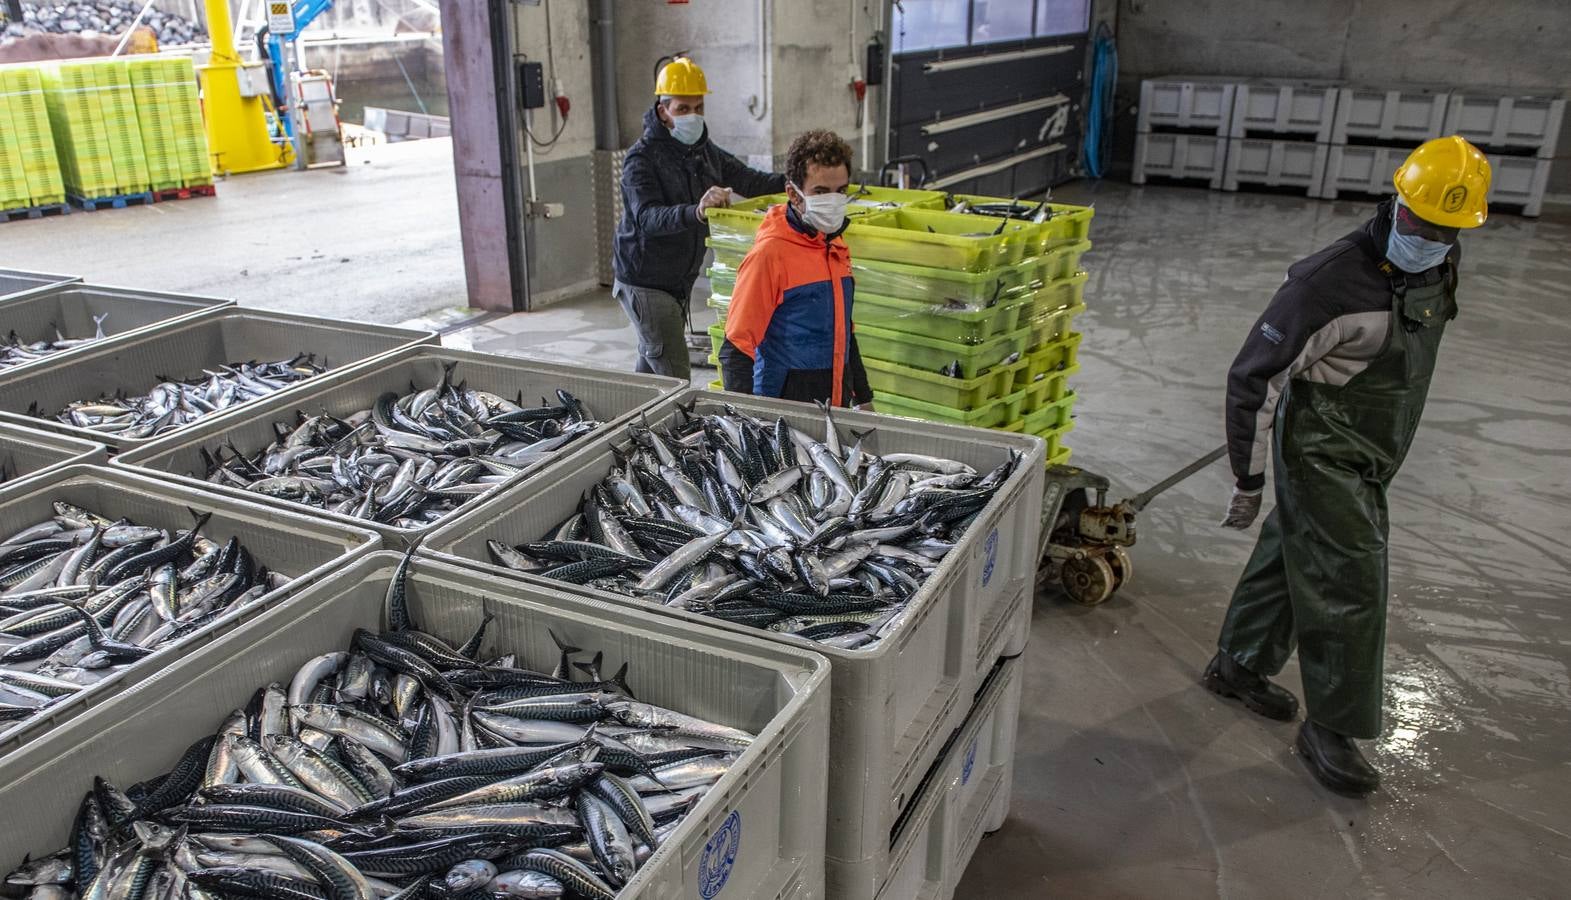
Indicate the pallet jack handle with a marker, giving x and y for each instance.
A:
(1139, 501)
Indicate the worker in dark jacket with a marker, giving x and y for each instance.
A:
(671, 176)
(788, 330)
(1337, 371)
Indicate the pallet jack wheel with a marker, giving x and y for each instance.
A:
(1123, 567)
(1088, 580)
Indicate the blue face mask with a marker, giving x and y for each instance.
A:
(687, 129)
(1411, 253)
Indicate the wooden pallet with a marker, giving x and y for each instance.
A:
(118, 201)
(34, 212)
(185, 193)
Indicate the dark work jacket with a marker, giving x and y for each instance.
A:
(788, 330)
(660, 240)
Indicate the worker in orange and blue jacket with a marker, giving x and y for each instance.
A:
(788, 331)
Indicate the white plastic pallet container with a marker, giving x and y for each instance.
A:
(1185, 103)
(1275, 163)
(1284, 107)
(27, 453)
(136, 364)
(891, 706)
(1406, 114)
(615, 397)
(19, 283)
(301, 548)
(1180, 156)
(1498, 122)
(1363, 170)
(72, 310)
(1519, 181)
(758, 833)
(965, 797)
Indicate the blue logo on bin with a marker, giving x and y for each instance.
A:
(965, 771)
(991, 549)
(714, 867)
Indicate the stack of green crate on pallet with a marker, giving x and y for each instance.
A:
(961, 317)
(29, 167)
(184, 111)
(93, 116)
(151, 92)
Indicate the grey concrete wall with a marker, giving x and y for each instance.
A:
(1518, 44)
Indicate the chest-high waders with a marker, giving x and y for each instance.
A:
(1317, 577)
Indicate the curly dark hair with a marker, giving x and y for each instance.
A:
(818, 147)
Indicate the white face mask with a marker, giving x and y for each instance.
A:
(826, 212)
(687, 129)
(1411, 253)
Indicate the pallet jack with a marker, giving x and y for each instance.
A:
(1085, 544)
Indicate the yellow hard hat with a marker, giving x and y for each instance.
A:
(1446, 181)
(681, 77)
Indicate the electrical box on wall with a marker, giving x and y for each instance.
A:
(531, 85)
(874, 76)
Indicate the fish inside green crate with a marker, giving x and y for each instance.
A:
(757, 523)
(176, 403)
(404, 766)
(408, 460)
(83, 597)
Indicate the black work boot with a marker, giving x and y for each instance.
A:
(1335, 761)
(1226, 678)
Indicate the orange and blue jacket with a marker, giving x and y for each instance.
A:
(788, 331)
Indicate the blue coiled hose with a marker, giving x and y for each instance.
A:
(1098, 144)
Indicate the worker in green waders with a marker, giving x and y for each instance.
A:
(1336, 371)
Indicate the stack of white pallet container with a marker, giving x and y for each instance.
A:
(1518, 132)
(1374, 130)
(1280, 134)
(1182, 129)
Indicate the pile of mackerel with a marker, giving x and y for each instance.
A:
(15, 352)
(83, 597)
(754, 522)
(408, 460)
(404, 767)
(175, 403)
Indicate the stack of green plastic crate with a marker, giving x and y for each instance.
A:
(93, 116)
(960, 317)
(29, 167)
(171, 118)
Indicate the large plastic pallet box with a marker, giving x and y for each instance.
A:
(24, 114)
(1497, 121)
(27, 453)
(1275, 107)
(612, 397)
(1276, 163)
(136, 364)
(303, 548)
(757, 833)
(965, 796)
(892, 705)
(71, 309)
(1186, 103)
(1519, 181)
(921, 237)
(1192, 156)
(1360, 169)
(18, 283)
(1413, 114)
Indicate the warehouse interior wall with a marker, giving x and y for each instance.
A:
(1515, 44)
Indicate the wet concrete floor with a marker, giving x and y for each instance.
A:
(1130, 780)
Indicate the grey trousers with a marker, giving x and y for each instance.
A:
(661, 324)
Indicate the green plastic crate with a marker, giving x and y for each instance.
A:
(1058, 294)
(936, 285)
(956, 393)
(1052, 327)
(1060, 262)
(1055, 440)
(1059, 356)
(1060, 457)
(958, 324)
(25, 116)
(991, 414)
(939, 239)
(934, 355)
(737, 225)
(1053, 415)
(1064, 224)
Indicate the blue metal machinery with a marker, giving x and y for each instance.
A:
(278, 46)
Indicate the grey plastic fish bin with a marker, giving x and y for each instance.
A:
(20, 283)
(614, 397)
(27, 453)
(300, 547)
(757, 833)
(135, 365)
(892, 706)
(71, 309)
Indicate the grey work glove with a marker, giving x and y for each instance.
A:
(1242, 509)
